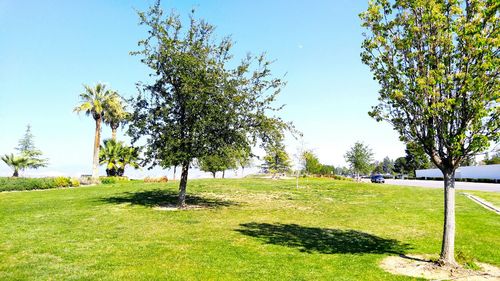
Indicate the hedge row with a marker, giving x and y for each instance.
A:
(9, 184)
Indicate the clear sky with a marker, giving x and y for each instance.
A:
(48, 49)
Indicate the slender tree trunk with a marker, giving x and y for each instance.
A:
(97, 141)
(447, 256)
(175, 169)
(113, 133)
(181, 202)
(223, 173)
(213, 174)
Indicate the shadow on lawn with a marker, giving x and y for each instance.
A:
(164, 198)
(322, 240)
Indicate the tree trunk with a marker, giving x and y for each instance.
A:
(447, 256)
(181, 202)
(16, 173)
(113, 133)
(97, 141)
(223, 172)
(213, 174)
(175, 169)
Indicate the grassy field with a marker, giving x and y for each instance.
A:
(251, 229)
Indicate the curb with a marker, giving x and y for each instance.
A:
(483, 203)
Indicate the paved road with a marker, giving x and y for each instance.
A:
(493, 187)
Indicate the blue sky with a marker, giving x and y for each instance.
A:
(48, 49)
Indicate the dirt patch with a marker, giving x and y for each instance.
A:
(420, 266)
(172, 207)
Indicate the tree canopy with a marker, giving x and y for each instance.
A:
(359, 157)
(197, 103)
(437, 63)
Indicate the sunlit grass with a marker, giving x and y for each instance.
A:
(250, 229)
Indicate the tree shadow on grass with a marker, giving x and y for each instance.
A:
(322, 240)
(165, 198)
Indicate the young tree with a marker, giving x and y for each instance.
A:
(27, 149)
(438, 66)
(117, 156)
(312, 164)
(359, 157)
(95, 102)
(276, 160)
(17, 163)
(387, 165)
(225, 160)
(197, 105)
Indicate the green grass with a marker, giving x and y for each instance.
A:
(252, 229)
(492, 197)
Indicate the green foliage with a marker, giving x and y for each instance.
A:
(276, 159)
(115, 113)
(359, 158)
(312, 164)
(438, 66)
(62, 182)
(96, 101)
(113, 180)
(27, 149)
(117, 156)
(16, 163)
(198, 103)
(10, 184)
(493, 160)
(75, 182)
(218, 163)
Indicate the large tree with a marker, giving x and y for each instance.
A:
(196, 104)
(437, 62)
(94, 101)
(359, 157)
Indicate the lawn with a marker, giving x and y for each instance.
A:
(251, 229)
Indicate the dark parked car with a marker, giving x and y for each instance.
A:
(378, 179)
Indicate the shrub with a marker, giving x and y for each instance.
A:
(10, 184)
(112, 180)
(160, 179)
(62, 182)
(75, 182)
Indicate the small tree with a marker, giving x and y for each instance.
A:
(387, 165)
(360, 158)
(27, 149)
(196, 104)
(312, 164)
(117, 156)
(16, 163)
(438, 66)
(225, 160)
(276, 160)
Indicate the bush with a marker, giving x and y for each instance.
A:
(10, 184)
(113, 180)
(75, 182)
(62, 182)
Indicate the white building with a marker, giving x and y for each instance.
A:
(491, 172)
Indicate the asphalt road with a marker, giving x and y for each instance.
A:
(492, 187)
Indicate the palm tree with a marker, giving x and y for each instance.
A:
(115, 115)
(17, 163)
(116, 156)
(95, 101)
